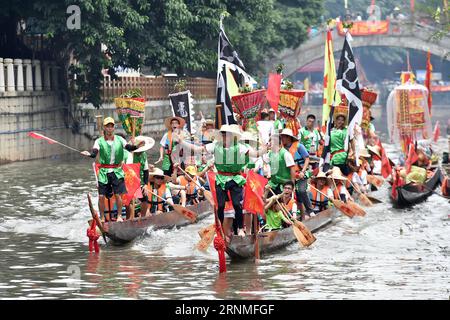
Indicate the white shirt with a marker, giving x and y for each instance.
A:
(376, 167)
(265, 129)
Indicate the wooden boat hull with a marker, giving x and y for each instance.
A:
(243, 247)
(128, 230)
(410, 194)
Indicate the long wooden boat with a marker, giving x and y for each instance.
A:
(241, 248)
(128, 230)
(413, 193)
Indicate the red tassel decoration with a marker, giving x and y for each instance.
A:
(93, 237)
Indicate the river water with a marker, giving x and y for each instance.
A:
(388, 254)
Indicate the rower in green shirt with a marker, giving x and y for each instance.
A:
(274, 215)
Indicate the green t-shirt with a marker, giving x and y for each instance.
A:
(274, 219)
(337, 143)
(307, 137)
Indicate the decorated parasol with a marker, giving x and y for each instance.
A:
(249, 106)
(408, 114)
(128, 105)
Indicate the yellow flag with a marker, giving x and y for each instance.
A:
(329, 79)
(232, 87)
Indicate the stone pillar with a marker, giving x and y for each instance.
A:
(18, 63)
(28, 75)
(55, 83)
(2, 76)
(37, 75)
(47, 86)
(10, 85)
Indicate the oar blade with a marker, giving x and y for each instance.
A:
(357, 210)
(343, 208)
(207, 235)
(188, 214)
(365, 201)
(303, 235)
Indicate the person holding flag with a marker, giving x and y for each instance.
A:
(309, 136)
(111, 177)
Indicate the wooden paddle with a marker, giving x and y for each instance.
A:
(301, 232)
(364, 200)
(342, 206)
(188, 214)
(373, 199)
(208, 194)
(255, 235)
(207, 236)
(376, 181)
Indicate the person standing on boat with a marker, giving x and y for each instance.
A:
(111, 177)
(309, 136)
(230, 159)
(337, 144)
(168, 145)
(318, 199)
(302, 172)
(158, 192)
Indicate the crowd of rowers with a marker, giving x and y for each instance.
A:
(289, 161)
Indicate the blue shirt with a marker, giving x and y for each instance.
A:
(301, 154)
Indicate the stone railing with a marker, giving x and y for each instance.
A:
(17, 75)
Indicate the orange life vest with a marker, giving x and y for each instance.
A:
(292, 150)
(323, 202)
(349, 178)
(157, 205)
(290, 204)
(191, 191)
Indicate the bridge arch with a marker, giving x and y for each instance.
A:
(403, 35)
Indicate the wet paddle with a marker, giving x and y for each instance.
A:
(364, 200)
(207, 236)
(188, 214)
(376, 181)
(301, 232)
(342, 206)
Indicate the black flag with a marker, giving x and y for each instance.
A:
(228, 61)
(182, 107)
(348, 84)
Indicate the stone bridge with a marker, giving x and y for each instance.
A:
(401, 34)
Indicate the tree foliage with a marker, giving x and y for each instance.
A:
(178, 35)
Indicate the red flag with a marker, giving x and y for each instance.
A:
(254, 190)
(436, 131)
(412, 157)
(386, 168)
(428, 80)
(394, 184)
(132, 180)
(273, 90)
(41, 137)
(212, 186)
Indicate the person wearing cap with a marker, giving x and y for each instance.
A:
(111, 177)
(340, 191)
(319, 200)
(230, 159)
(302, 173)
(189, 192)
(357, 175)
(159, 185)
(337, 144)
(375, 151)
(167, 143)
(309, 136)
